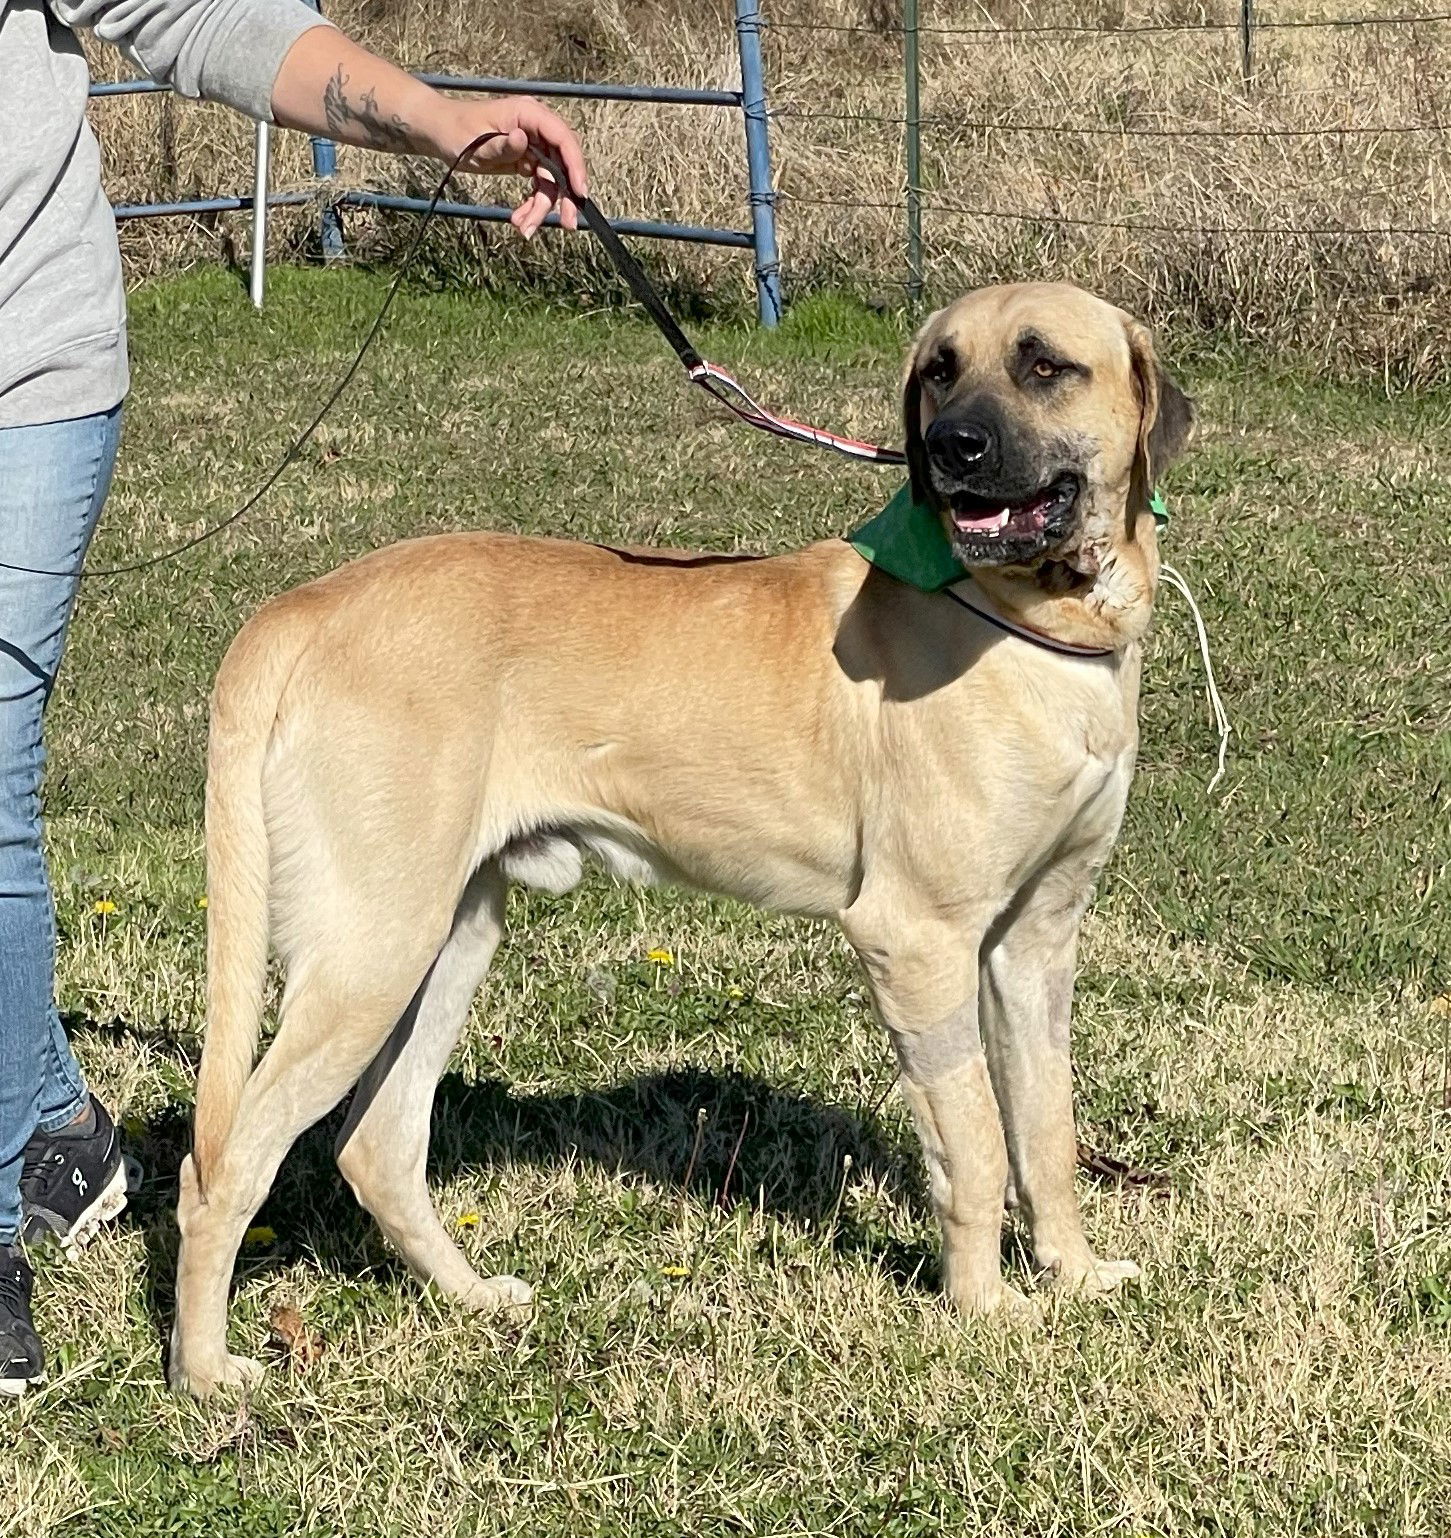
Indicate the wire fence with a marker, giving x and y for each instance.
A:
(1286, 177)
(1108, 130)
(1267, 144)
(1078, 29)
(1339, 231)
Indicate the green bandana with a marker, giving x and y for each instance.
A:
(907, 541)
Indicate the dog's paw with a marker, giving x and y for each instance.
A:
(207, 1379)
(996, 1300)
(499, 1295)
(1091, 1275)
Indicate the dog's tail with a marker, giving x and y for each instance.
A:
(249, 687)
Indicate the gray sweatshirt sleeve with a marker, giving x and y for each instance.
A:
(224, 50)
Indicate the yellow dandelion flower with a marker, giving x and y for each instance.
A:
(467, 1220)
(201, 902)
(105, 905)
(675, 1271)
(661, 957)
(735, 993)
(260, 1235)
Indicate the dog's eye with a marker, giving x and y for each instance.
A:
(1043, 369)
(941, 368)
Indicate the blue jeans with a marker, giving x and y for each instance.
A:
(53, 483)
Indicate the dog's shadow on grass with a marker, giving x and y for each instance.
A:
(714, 1138)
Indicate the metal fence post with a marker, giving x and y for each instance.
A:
(263, 155)
(912, 64)
(325, 168)
(1247, 42)
(758, 162)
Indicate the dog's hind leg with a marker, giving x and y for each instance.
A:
(337, 1013)
(383, 1148)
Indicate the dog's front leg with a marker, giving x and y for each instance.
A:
(925, 991)
(1027, 1000)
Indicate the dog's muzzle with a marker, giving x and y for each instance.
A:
(1000, 506)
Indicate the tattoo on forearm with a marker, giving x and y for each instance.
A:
(361, 119)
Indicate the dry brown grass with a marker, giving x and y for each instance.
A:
(1377, 302)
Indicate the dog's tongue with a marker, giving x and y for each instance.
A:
(986, 524)
(993, 520)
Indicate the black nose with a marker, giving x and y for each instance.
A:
(959, 445)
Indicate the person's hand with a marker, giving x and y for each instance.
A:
(526, 128)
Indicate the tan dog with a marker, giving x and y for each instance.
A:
(393, 744)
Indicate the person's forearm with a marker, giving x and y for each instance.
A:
(329, 85)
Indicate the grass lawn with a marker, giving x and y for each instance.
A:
(698, 1157)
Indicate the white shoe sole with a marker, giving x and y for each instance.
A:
(109, 1204)
(13, 1388)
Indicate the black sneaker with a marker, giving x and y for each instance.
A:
(73, 1180)
(22, 1362)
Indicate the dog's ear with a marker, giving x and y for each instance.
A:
(1166, 414)
(912, 419)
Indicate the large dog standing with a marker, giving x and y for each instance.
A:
(393, 744)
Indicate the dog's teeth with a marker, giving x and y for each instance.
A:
(1003, 517)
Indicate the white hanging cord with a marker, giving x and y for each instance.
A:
(1221, 716)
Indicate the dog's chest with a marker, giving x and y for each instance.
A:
(1100, 732)
(1083, 712)
(1058, 748)
(1096, 784)
(1106, 732)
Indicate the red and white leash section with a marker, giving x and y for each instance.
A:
(714, 380)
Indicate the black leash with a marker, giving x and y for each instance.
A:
(715, 381)
(721, 386)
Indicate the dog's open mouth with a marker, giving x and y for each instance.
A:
(996, 518)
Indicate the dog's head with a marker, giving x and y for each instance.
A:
(1038, 419)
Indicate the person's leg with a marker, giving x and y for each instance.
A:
(53, 483)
